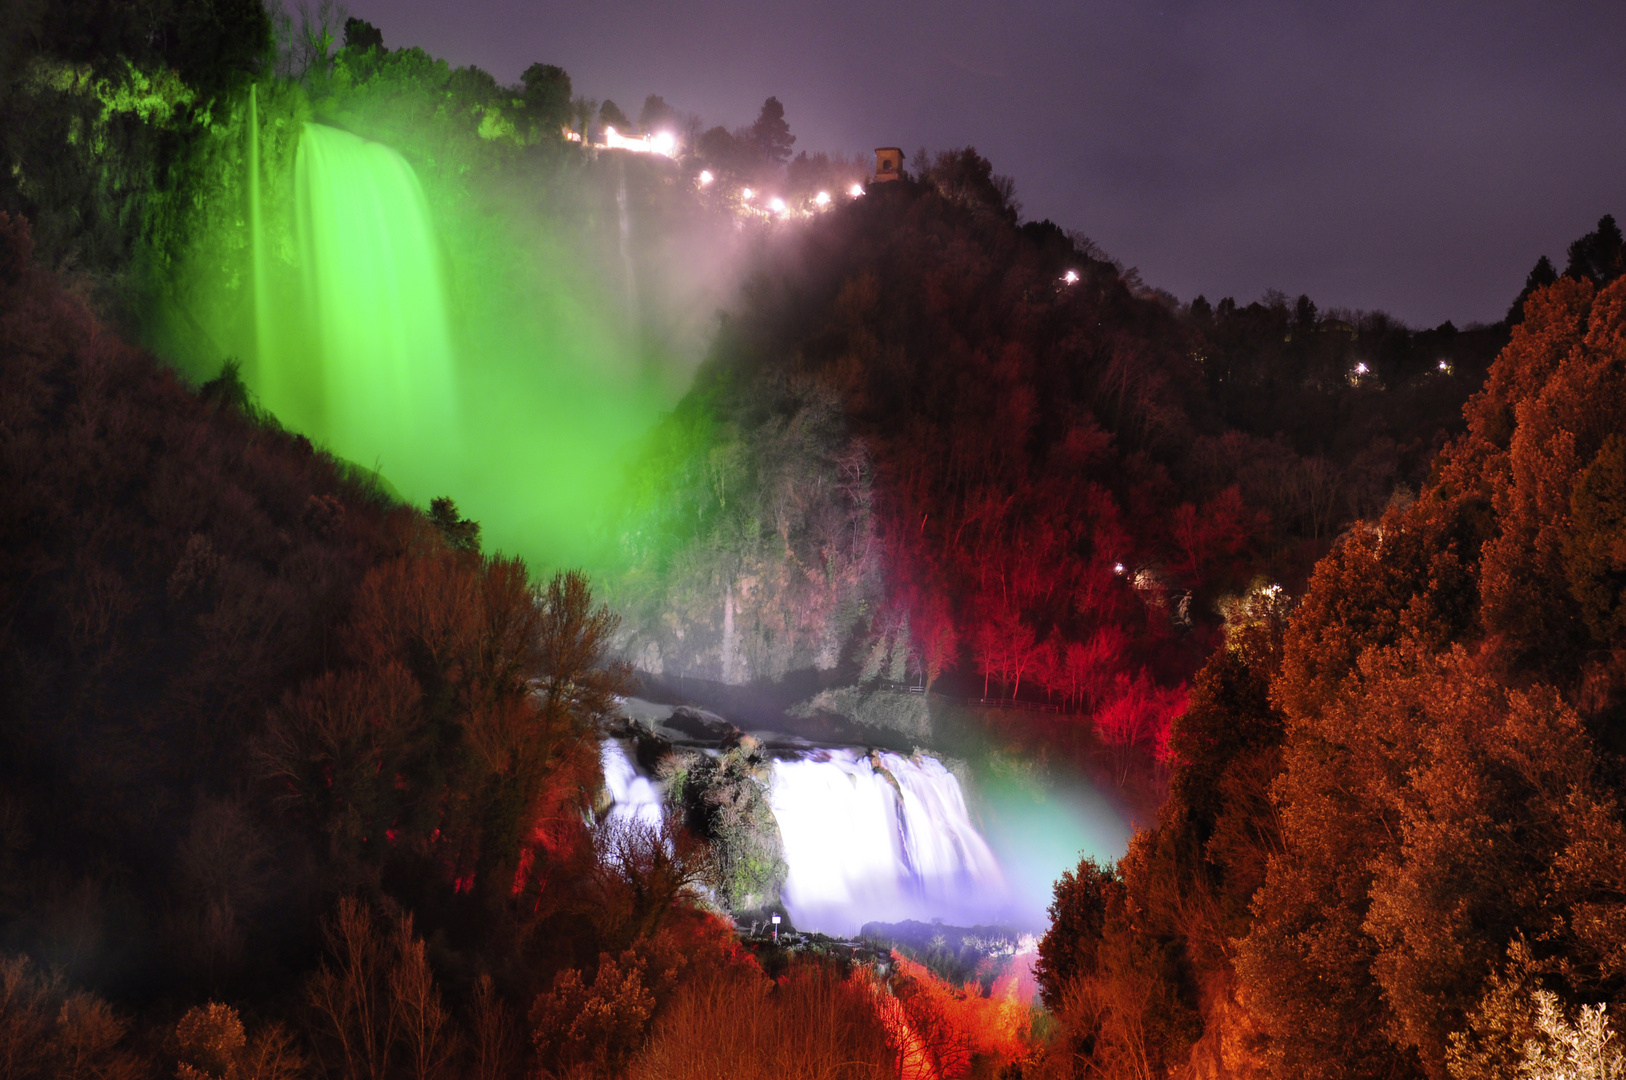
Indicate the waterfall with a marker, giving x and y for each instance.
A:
(879, 836)
(632, 795)
(624, 221)
(867, 835)
(256, 232)
(360, 354)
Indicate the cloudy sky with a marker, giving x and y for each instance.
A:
(1410, 156)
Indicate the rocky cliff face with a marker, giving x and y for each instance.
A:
(751, 548)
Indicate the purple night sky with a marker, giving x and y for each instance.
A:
(1410, 156)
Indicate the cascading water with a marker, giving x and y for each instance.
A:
(256, 232)
(879, 836)
(867, 835)
(624, 225)
(632, 796)
(367, 358)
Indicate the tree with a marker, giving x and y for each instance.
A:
(1600, 255)
(1595, 552)
(1078, 914)
(1541, 275)
(1589, 1049)
(593, 1030)
(966, 177)
(375, 1001)
(547, 96)
(656, 115)
(361, 35)
(1304, 314)
(461, 534)
(770, 135)
(611, 116)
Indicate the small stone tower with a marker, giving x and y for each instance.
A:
(888, 163)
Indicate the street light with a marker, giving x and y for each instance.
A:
(776, 929)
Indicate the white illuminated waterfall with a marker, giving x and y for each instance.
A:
(868, 836)
(633, 795)
(880, 837)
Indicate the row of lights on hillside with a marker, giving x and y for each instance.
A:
(665, 144)
(1360, 371)
(775, 204)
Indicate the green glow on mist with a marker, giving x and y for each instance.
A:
(1041, 828)
(461, 354)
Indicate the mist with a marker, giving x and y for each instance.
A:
(580, 291)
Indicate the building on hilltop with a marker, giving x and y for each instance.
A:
(888, 163)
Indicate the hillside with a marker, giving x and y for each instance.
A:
(303, 762)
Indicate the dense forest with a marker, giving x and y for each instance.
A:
(298, 779)
(1393, 838)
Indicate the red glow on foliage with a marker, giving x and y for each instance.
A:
(527, 858)
(939, 1027)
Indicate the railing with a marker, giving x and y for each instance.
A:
(1013, 703)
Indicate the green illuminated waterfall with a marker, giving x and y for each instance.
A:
(456, 346)
(371, 368)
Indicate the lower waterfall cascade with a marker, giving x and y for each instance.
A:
(868, 835)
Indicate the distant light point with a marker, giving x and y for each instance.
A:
(856, 190)
(706, 177)
(822, 198)
(1070, 277)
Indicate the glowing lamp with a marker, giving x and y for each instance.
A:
(856, 190)
(776, 204)
(609, 134)
(746, 194)
(1070, 277)
(1360, 369)
(1118, 568)
(706, 177)
(664, 143)
(822, 198)
(1445, 367)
